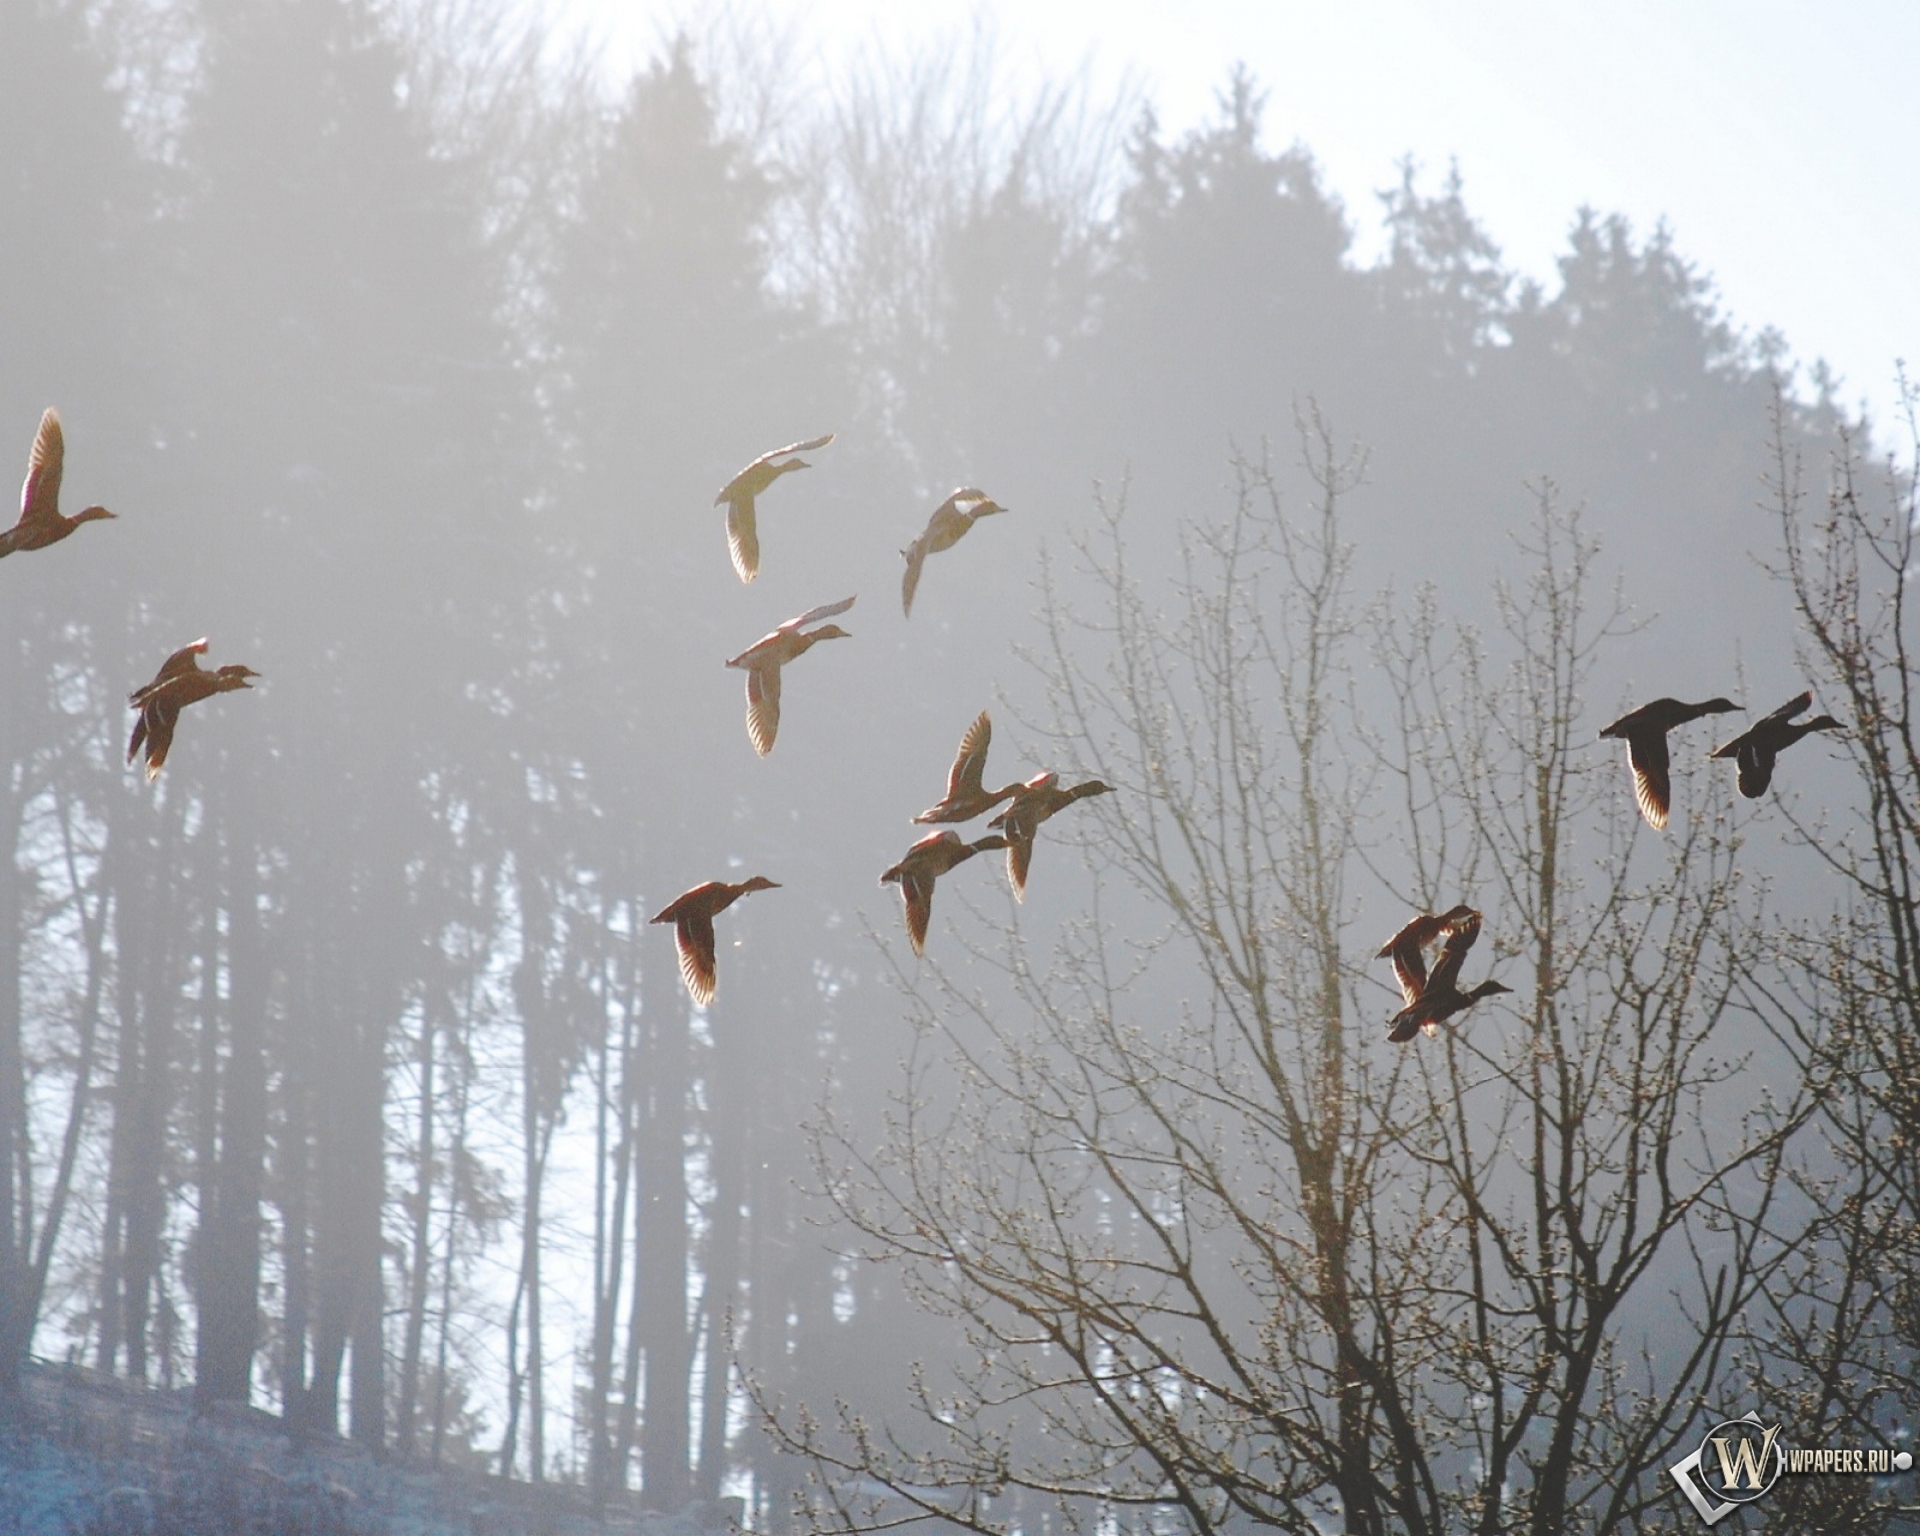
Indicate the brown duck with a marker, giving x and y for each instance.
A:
(763, 660)
(692, 914)
(924, 863)
(946, 528)
(966, 796)
(41, 522)
(1755, 748)
(180, 681)
(1037, 799)
(1441, 998)
(1645, 732)
(1408, 947)
(743, 535)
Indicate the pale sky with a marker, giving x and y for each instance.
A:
(1779, 140)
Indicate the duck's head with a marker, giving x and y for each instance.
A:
(829, 632)
(759, 883)
(235, 676)
(92, 514)
(1490, 988)
(1824, 723)
(1720, 707)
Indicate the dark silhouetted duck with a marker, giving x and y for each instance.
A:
(924, 863)
(1037, 799)
(1645, 732)
(180, 681)
(692, 914)
(41, 522)
(1441, 998)
(966, 796)
(1407, 948)
(763, 660)
(743, 535)
(946, 528)
(1755, 748)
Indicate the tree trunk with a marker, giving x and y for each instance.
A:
(421, 1246)
(662, 1266)
(15, 1324)
(229, 1290)
(726, 1130)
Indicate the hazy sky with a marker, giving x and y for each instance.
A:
(1780, 140)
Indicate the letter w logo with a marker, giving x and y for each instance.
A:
(1746, 1463)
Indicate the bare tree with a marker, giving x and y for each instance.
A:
(1221, 1254)
(1842, 1326)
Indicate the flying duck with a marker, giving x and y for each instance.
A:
(41, 522)
(763, 660)
(743, 536)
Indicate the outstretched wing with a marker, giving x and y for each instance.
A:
(693, 938)
(970, 763)
(1756, 771)
(1794, 706)
(1019, 858)
(746, 473)
(824, 611)
(40, 492)
(1409, 963)
(743, 537)
(159, 717)
(916, 555)
(181, 661)
(1652, 787)
(1453, 954)
(763, 707)
(806, 447)
(916, 890)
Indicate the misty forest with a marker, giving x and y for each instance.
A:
(356, 1111)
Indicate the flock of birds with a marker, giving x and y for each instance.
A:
(1430, 997)
(1433, 998)
(1028, 803)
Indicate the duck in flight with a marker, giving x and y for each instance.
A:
(738, 494)
(924, 863)
(41, 521)
(692, 914)
(1645, 732)
(1033, 802)
(1439, 996)
(967, 797)
(946, 528)
(763, 660)
(1755, 749)
(180, 681)
(1407, 948)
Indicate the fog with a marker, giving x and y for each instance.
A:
(410, 356)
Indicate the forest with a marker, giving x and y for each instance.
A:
(343, 1075)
